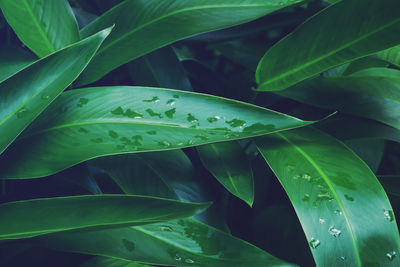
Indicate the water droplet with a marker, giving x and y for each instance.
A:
(391, 255)
(82, 130)
(296, 176)
(118, 111)
(21, 113)
(164, 143)
(325, 196)
(213, 119)
(333, 231)
(175, 96)
(166, 228)
(151, 132)
(349, 198)
(338, 212)
(133, 114)
(155, 99)
(343, 258)
(171, 102)
(136, 140)
(113, 134)
(178, 258)
(236, 123)
(314, 243)
(389, 215)
(306, 177)
(170, 113)
(321, 220)
(189, 261)
(191, 142)
(306, 197)
(96, 140)
(82, 101)
(202, 137)
(129, 245)
(45, 96)
(191, 118)
(153, 114)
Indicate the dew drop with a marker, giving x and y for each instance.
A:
(113, 134)
(335, 232)
(212, 119)
(175, 96)
(153, 113)
(164, 143)
(314, 243)
(306, 177)
(325, 196)
(170, 113)
(391, 255)
(321, 220)
(343, 258)
(82, 101)
(349, 198)
(178, 258)
(189, 261)
(202, 137)
(191, 118)
(155, 99)
(295, 177)
(151, 132)
(306, 198)
(236, 123)
(21, 113)
(133, 114)
(45, 96)
(118, 111)
(166, 228)
(338, 212)
(389, 215)
(171, 102)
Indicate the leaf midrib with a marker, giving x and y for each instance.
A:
(37, 24)
(318, 59)
(111, 43)
(335, 195)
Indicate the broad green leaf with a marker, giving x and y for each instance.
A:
(22, 219)
(26, 94)
(12, 60)
(364, 63)
(391, 55)
(43, 26)
(160, 68)
(87, 123)
(342, 207)
(110, 262)
(324, 41)
(230, 165)
(371, 93)
(184, 242)
(144, 26)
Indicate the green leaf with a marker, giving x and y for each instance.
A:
(22, 219)
(110, 262)
(371, 93)
(230, 165)
(27, 93)
(183, 242)
(12, 60)
(43, 26)
(342, 207)
(87, 123)
(391, 55)
(324, 41)
(144, 26)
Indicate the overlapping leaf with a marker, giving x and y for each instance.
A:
(325, 41)
(342, 207)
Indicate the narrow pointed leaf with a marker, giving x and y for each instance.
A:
(391, 55)
(184, 242)
(12, 60)
(343, 209)
(43, 26)
(144, 26)
(87, 123)
(26, 94)
(230, 165)
(371, 93)
(22, 219)
(326, 41)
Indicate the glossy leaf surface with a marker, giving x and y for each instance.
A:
(92, 122)
(391, 55)
(12, 60)
(184, 242)
(375, 27)
(342, 207)
(43, 26)
(27, 93)
(371, 93)
(142, 26)
(22, 219)
(231, 167)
